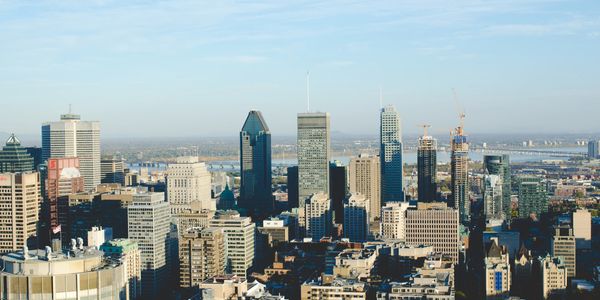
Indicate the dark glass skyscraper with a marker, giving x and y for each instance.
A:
(390, 135)
(14, 158)
(426, 168)
(500, 165)
(255, 163)
(338, 188)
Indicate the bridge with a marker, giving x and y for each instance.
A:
(532, 152)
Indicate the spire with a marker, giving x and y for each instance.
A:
(13, 140)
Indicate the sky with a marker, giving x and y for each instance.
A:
(195, 68)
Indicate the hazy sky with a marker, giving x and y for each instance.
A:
(194, 68)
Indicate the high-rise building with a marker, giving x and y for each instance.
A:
(563, 245)
(364, 177)
(63, 178)
(71, 137)
(492, 197)
(128, 252)
(497, 271)
(523, 271)
(83, 273)
(255, 166)
(36, 153)
(292, 187)
(393, 220)
(390, 153)
(356, 218)
(553, 276)
(533, 198)
(14, 158)
(188, 181)
(314, 154)
(436, 225)
(201, 256)
(148, 225)
(582, 228)
(318, 216)
(20, 201)
(593, 149)
(427, 168)
(459, 173)
(239, 240)
(338, 188)
(112, 170)
(500, 165)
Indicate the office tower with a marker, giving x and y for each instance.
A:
(62, 178)
(533, 198)
(497, 271)
(364, 176)
(20, 201)
(318, 216)
(194, 218)
(14, 158)
(582, 228)
(393, 220)
(390, 153)
(188, 181)
(563, 245)
(277, 229)
(493, 197)
(427, 168)
(226, 199)
(112, 170)
(436, 225)
(500, 165)
(36, 153)
(239, 240)
(459, 173)
(255, 166)
(338, 187)
(314, 153)
(128, 252)
(292, 186)
(148, 225)
(553, 276)
(83, 273)
(593, 149)
(201, 256)
(71, 137)
(356, 218)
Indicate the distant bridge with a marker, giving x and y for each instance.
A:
(532, 152)
(235, 166)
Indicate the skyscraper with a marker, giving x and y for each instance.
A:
(318, 216)
(338, 186)
(563, 245)
(364, 177)
(14, 158)
(188, 181)
(239, 235)
(459, 173)
(112, 170)
(593, 149)
(492, 197)
(313, 155)
(427, 168)
(390, 135)
(63, 178)
(533, 197)
(19, 210)
(148, 225)
(255, 162)
(393, 220)
(582, 228)
(500, 165)
(201, 256)
(71, 137)
(436, 225)
(356, 218)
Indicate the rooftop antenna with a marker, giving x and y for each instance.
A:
(70, 108)
(380, 98)
(307, 91)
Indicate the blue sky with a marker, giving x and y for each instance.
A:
(194, 68)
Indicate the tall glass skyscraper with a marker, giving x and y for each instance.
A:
(427, 168)
(500, 165)
(71, 137)
(314, 153)
(459, 174)
(14, 158)
(390, 134)
(533, 196)
(255, 162)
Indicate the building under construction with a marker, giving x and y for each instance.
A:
(459, 172)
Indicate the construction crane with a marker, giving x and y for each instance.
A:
(425, 126)
(461, 111)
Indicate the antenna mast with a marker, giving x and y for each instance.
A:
(307, 91)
